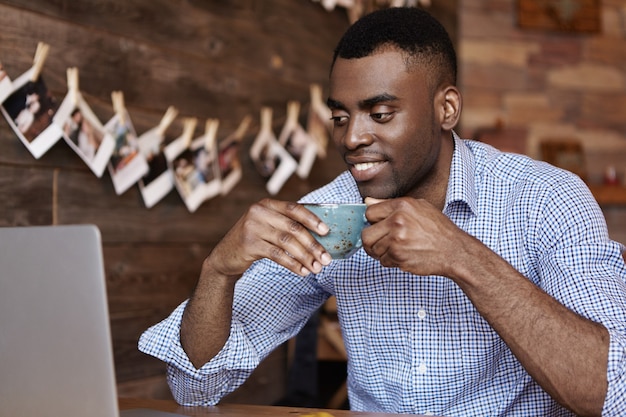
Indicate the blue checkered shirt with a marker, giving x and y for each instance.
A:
(417, 344)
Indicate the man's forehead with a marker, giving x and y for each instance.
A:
(383, 73)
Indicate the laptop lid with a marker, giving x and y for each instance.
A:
(56, 357)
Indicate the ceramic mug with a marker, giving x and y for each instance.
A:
(345, 221)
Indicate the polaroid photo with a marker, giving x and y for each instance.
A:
(196, 169)
(297, 141)
(271, 159)
(127, 165)
(159, 180)
(29, 110)
(82, 130)
(6, 86)
(228, 157)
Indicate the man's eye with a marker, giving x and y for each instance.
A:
(381, 117)
(339, 120)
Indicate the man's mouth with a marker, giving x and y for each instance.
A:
(366, 171)
(366, 165)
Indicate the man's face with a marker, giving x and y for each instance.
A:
(385, 125)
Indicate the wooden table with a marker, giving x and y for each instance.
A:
(237, 410)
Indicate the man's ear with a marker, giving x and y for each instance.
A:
(449, 104)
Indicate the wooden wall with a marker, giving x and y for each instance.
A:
(209, 59)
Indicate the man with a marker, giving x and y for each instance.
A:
(487, 284)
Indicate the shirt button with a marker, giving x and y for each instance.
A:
(421, 313)
(422, 368)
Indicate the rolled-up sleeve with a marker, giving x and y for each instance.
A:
(270, 306)
(615, 402)
(584, 270)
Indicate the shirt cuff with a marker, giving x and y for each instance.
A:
(615, 402)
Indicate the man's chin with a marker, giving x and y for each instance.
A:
(380, 193)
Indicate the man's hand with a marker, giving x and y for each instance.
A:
(276, 230)
(412, 235)
(271, 229)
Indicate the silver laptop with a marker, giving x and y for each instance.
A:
(56, 356)
(55, 347)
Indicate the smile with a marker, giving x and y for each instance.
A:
(367, 171)
(366, 165)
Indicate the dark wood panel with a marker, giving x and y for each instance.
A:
(26, 195)
(144, 284)
(148, 76)
(228, 31)
(154, 74)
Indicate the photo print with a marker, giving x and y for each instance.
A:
(158, 182)
(30, 108)
(271, 159)
(297, 141)
(6, 86)
(228, 156)
(196, 170)
(179, 145)
(127, 165)
(82, 130)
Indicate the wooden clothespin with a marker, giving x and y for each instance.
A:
(319, 124)
(317, 103)
(189, 127)
(265, 136)
(293, 112)
(291, 124)
(210, 134)
(242, 128)
(72, 84)
(41, 53)
(166, 121)
(117, 97)
(266, 119)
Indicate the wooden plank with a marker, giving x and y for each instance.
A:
(144, 284)
(26, 195)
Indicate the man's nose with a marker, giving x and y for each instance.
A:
(358, 133)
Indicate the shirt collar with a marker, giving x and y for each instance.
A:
(461, 187)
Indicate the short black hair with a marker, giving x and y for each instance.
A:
(410, 29)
